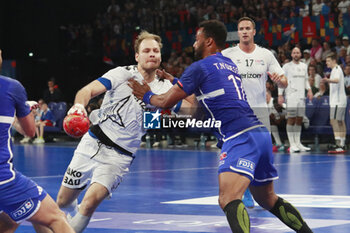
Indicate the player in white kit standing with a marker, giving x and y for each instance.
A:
(296, 72)
(337, 102)
(106, 151)
(254, 65)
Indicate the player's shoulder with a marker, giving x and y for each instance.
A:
(10, 82)
(230, 50)
(263, 51)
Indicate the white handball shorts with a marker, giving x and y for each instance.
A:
(337, 112)
(296, 108)
(95, 162)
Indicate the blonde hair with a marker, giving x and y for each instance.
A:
(146, 35)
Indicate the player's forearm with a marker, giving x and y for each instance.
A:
(333, 80)
(83, 96)
(162, 101)
(283, 82)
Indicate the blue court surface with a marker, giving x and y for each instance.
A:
(176, 191)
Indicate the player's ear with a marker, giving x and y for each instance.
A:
(254, 32)
(136, 57)
(209, 41)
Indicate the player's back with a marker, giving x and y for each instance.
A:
(221, 93)
(9, 91)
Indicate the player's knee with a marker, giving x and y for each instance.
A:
(225, 198)
(88, 206)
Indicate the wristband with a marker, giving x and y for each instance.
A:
(147, 97)
(175, 81)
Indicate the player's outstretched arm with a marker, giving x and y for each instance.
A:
(166, 100)
(84, 95)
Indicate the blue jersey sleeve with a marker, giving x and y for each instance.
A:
(19, 95)
(191, 79)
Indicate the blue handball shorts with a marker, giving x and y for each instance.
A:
(21, 198)
(250, 154)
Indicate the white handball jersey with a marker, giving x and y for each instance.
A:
(298, 81)
(121, 114)
(253, 68)
(337, 94)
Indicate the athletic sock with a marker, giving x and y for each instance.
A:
(337, 141)
(290, 216)
(79, 222)
(275, 134)
(297, 134)
(342, 142)
(71, 209)
(290, 134)
(237, 216)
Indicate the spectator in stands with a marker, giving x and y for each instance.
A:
(52, 93)
(313, 74)
(317, 7)
(338, 45)
(322, 91)
(342, 57)
(343, 6)
(304, 9)
(312, 85)
(326, 8)
(346, 44)
(306, 57)
(347, 79)
(47, 119)
(275, 120)
(316, 50)
(326, 51)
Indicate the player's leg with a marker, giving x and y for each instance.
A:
(231, 188)
(236, 170)
(248, 199)
(291, 132)
(95, 194)
(286, 212)
(7, 225)
(298, 126)
(51, 216)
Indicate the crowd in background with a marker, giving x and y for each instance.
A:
(105, 34)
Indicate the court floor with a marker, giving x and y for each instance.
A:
(176, 191)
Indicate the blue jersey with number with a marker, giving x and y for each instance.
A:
(13, 103)
(217, 85)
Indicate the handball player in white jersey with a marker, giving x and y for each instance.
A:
(296, 72)
(254, 64)
(337, 102)
(106, 152)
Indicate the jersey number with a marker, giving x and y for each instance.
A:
(238, 89)
(249, 62)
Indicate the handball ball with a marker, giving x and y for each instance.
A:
(76, 125)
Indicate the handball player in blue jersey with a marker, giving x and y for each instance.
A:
(246, 153)
(20, 198)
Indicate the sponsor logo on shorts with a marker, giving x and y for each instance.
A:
(246, 164)
(72, 174)
(23, 209)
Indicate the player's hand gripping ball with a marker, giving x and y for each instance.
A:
(76, 125)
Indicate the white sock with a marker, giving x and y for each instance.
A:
(79, 222)
(290, 134)
(342, 142)
(338, 141)
(71, 209)
(275, 134)
(297, 134)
